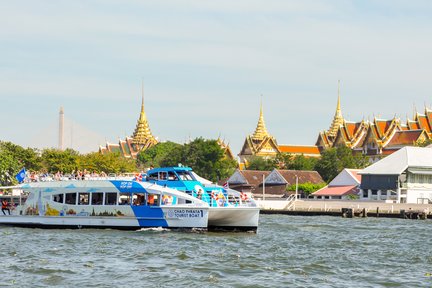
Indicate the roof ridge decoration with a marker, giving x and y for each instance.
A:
(260, 131)
(338, 118)
(142, 134)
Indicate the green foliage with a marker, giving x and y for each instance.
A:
(156, 155)
(9, 167)
(295, 162)
(353, 197)
(261, 163)
(207, 159)
(28, 158)
(108, 163)
(334, 160)
(307, 188)
(55, 160)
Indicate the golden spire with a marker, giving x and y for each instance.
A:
(260, 131)
(142, 134)
(338, 118)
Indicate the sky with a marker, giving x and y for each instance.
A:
(206, 66)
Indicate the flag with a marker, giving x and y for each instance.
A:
(225, 185)
(21, 175)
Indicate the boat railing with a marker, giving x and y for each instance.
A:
(69, 177)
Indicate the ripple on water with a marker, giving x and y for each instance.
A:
(287, 251)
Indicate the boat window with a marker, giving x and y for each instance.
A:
(153, 199)
(138, 199)
(124, 199)
(70, 198)
(172, 176)
(185, 176)
(167, 199)
(83, 198)
(110, 198)
(152, 176)
(97, 198)
(162, 175)
(58, 198)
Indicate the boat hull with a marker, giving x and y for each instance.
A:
(233, 218)
(172, 218)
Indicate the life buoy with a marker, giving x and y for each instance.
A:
(213, 195)
(243, 196)
(138, 177)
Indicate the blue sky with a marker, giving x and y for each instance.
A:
(205, 65)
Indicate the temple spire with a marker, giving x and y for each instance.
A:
(260, 131)
(338, 118)
(142, 134)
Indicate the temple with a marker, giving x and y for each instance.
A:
(141, 139)
(375, 139)
(260, 143)
(378, 137)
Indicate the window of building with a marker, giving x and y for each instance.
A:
(365, 193)
(374, 192)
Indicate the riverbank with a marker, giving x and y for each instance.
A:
(348, 208)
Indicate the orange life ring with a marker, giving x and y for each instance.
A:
(243, 196)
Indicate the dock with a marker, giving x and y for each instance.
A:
(347, 209)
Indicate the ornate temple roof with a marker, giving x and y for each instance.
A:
(142, 134)
(338, 119)
(260, 131)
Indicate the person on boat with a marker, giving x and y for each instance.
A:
(5, 206)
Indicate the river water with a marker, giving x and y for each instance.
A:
(287, 251)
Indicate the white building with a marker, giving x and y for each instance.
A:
(346, 183)
(402, 177)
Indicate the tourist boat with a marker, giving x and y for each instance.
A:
(120, 204)
(229, 209)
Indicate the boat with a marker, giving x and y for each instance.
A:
(229, 209)
(120, 204)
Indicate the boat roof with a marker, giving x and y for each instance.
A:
(172, 168)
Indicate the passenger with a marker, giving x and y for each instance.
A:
(5, 206)
(150, 200)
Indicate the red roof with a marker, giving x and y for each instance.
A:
(354, 172)
(336, 191)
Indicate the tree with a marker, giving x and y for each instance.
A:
(9, 167)
(154, 156)
(295, 162)
(55, 160)
(28, 158)
(108, 163)
(306, 188)
(261, 163)
(334, 160)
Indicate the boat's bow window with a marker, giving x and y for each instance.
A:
(84, 198)
(172, 176)
(138, 199)
(97, 198)
(153, 199)
(185, 176)
(70, 198)
(152, 176)
(110, 198)
(58, 198)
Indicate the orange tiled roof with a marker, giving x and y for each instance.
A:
(424, 123)
(404, 138)
(299, 149)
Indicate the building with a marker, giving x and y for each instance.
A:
(376, 138)
(346, 183)
(272, 184)
(402, 177)
(141, 139)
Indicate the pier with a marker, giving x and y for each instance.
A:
(348, 208)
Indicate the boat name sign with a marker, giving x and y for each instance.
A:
(183, 213)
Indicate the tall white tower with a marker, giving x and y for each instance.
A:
(61, 128)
